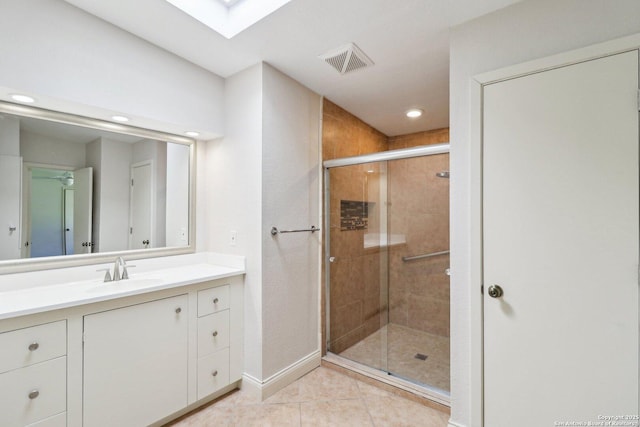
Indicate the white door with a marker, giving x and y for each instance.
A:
(141, 207)
(82, 210)
(135, 363)
(10, 176)
(25, 234)
(67, 220)
(560, 237)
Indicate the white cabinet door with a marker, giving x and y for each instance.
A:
(560, 237)
(135, 363)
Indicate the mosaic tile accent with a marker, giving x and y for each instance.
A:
(354, 215)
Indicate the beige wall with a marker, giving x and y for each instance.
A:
(436, 136)
(419, 211)
(358, 275)
(344, 135)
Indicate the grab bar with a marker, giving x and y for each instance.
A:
(411, 258)
(274, 230)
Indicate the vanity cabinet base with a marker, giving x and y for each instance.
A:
(137, 360)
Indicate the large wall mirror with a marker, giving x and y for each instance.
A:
(74, 189)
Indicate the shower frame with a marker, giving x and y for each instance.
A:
(405, 153)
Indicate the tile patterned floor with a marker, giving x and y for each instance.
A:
(399, 354)
(323, 397)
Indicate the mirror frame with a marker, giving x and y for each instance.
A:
(33, 264)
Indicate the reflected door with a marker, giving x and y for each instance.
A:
(10, 175)
(141, 207)
(67, 218)
(45, 206)
(83, 210)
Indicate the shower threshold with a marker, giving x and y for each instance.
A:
(423, 391)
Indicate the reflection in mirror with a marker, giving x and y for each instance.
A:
(52, 207)
(67, 189)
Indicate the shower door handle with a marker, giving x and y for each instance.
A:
(332, 259)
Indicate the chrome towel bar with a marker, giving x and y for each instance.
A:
(411, 258)
(274, 230)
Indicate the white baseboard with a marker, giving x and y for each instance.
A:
(278, 381)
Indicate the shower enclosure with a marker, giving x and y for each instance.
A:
(387, 265)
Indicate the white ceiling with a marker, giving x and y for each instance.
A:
(408, 40)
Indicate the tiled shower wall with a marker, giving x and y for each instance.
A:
(358, 307)
(419, 211)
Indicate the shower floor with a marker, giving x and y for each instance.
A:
(394, 348)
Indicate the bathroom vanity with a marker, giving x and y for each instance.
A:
(128, 353)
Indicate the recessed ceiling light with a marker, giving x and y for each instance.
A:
(192, 133)
(414, 113)
(120, 118)
(23, 98)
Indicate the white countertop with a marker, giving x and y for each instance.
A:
(38, 299)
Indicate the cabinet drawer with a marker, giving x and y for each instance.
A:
(212, 300)
(213, 333)
(59, 420)
(33, 393)
(24, 347)
(213, 373)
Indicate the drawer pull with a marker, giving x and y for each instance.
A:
(33, 394)
(33, 346)
(215, 333)
(214, 373)
(215, 300)
(178, 310)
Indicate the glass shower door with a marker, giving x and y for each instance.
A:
(387, 265)
(418, 233)
(357, 260)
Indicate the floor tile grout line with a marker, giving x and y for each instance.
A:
(317, 391)
(366, 406)
(297, 402)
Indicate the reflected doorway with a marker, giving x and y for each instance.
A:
(57, 211)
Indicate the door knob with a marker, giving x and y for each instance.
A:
(495, 291)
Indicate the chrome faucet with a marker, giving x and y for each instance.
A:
(121, 263)
(116, 269)
(119, 271)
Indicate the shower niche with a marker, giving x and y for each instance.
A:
(354, 215)
(386, 269)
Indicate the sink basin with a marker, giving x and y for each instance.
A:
(127, 284)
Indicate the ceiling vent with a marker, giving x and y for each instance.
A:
(347, 58)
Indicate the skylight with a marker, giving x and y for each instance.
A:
(229, 3)
(228, 17)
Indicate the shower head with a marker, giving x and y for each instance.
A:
(443, 174)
